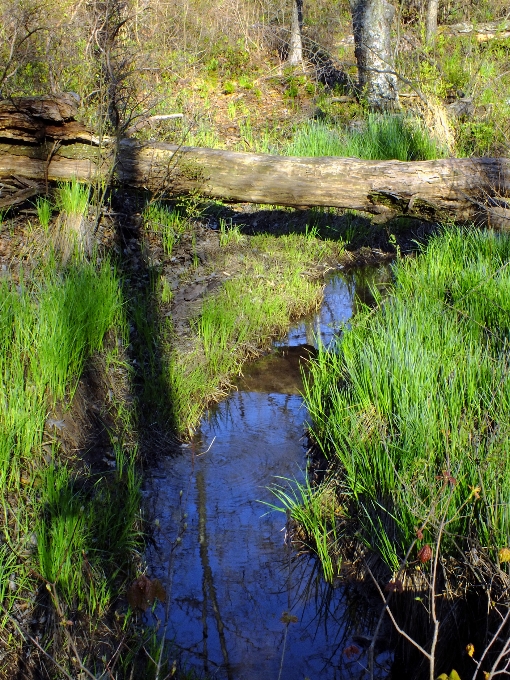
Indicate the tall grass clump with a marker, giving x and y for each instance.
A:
(44, 212)
(412, 405)
(66, 529)
(73, 231)
(380, 137)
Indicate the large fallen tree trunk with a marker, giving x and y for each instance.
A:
(460, 188)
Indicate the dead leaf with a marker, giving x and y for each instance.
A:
(143, 592)
(425, 553)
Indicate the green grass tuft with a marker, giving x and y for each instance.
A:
(67, 530)
(380, 137)
(412, 404)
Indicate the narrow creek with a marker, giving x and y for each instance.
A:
(241, 604)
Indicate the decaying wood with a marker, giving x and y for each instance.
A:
(33, 119)
(463, 188)
(441, 188)
(483, 32)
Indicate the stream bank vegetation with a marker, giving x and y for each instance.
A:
(66, 549)
(410, 410)
(91, 364)
(257, 286)
(156, 319)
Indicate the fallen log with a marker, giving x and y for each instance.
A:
(447, 187)
(483, 31)
(461, 188)
(490, 30)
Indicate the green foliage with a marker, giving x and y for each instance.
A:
(252, 307)
(165, 221)
(245, 82)
(316, 513)
(413, 402)
(44, 211)
(380, 137)
(228, 87)
(73, 197)
(83, 536)
(229, 233)
(476, 138)
(48, 330)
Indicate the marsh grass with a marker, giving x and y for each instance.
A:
(254, 306)
(229, 233)
(316, 513)
(72, 529)
(72, 233)
(379, 137)
(44, 212)
(411, 406)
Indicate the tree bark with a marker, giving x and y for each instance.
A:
(295, 57)
(454, 187)
(431, 21)
(377, 81)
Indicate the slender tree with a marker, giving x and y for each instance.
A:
(296, 44)
(431, 21)
(377, 80)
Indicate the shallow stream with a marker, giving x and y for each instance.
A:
(241, 604)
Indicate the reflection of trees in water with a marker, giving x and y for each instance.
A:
(344, 614)
(364, 280)
(208, 585)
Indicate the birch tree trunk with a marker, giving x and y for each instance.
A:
(377, 81)
(296, 44)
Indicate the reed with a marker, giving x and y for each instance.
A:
(411, 405)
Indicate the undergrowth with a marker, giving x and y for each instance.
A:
(68, 534)
(380, 137)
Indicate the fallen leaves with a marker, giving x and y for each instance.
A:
(143, 592)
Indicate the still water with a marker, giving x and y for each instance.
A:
(241, 604)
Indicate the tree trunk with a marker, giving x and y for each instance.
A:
(431, 21)
(447, 188)
(40, 142)
(371, 22)
(295, 57)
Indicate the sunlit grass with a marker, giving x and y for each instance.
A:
(379, 137)
(412, 405)
(44, 211)
(165, 221)
(253, 307)
(68, 531)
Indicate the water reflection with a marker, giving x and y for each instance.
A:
(343, 295)
(242, 604)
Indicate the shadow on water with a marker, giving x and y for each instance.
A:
(242, 604)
